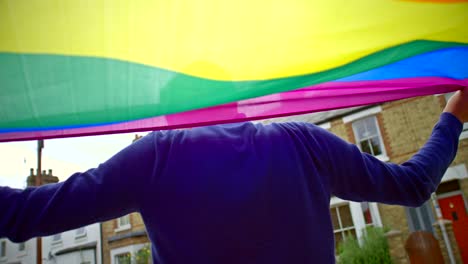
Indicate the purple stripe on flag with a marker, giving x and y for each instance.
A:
(316, 98)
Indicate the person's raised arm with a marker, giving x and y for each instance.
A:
(361, 177)
(113, 189)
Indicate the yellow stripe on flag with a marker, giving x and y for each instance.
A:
(229, 40)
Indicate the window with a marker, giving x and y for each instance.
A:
(343, 224)
(421, 218)
(366, 211)
(368, 136)
(124, 258)
(80, 232)
(3, 249)
(123, 222)
(56, 238)
(22, 246)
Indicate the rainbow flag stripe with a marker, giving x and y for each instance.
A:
(70, 68)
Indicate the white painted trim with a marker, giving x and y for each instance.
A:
(362, 114)
(122, 228)
(374, 209)
(457, 172)
(358, 219)
(449, 194)
(326, 125)
(334, 201)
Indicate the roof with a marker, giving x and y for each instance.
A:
(316, 118)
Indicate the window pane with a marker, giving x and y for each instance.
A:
(340, 236)
(124, 220)
(350, 233)
(3, 249)
(414, 219)
(371, 126)
(56, 237)
(359, 129)
(334, 218)
(123, 258)
(21, 246)
(80, 231)
(338, 239)
(375, 143)
(365, 146)
(366, 213)
(345, 216)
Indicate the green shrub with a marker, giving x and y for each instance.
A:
(374, 248)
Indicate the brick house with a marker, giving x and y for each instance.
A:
(394, 132)
(123, 238)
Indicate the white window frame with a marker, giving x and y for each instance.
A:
(56, 239)
(325, 126)
(3, 249)
(24, 252)
(357, 215)
(125, 253)
(80, 232)
(342, 229)
(123, 227)
(24, 246)
(383, 156)
(132, 249)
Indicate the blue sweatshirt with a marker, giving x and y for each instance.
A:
(240, 193)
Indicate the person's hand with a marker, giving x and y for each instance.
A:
(458, 105)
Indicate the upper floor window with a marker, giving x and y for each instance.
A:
(3, 248)
(80, 232)
(123, 223)
(22, 246)
(56, 238)
(368, 137)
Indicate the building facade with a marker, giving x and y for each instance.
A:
(79, 246)
(125, 241)
(26, 252)
(394, 132)
(17, 253)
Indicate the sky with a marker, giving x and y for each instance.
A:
(63, 156)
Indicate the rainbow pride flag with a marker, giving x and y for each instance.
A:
(71, 68)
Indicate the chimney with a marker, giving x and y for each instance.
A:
(44, 172)
(31, 172)
(50, 172)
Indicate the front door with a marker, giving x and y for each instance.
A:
(453, 208)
